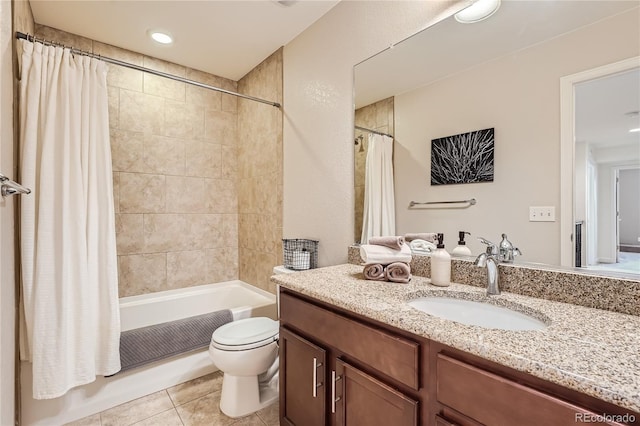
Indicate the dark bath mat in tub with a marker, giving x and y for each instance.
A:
(148, 344)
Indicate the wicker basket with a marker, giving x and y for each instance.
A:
(300, 254)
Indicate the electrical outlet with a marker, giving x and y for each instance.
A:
(542, 214)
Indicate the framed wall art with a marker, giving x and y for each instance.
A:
(463, 158)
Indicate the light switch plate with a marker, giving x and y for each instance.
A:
(542, 214)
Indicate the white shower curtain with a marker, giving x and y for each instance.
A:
(379, 218)
(69, 272)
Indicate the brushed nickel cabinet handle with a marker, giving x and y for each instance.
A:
(316, 385)
(334, 379)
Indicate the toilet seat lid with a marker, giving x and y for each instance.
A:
(246, 331)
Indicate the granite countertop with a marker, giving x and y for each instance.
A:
(590, 350)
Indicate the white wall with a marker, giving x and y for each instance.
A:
(318, 112)
(518, 95)
(606, 213)
(7, 268)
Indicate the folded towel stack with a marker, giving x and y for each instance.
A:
(371, 253)
(395, 243)
(386, 259)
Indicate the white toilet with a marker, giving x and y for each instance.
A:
(246, 351)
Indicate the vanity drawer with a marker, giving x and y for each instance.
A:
(494, 400)
(392, 355)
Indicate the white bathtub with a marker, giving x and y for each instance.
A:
(244, 301)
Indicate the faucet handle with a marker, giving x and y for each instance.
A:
(507, 250)
(505, 243)
(491, 248)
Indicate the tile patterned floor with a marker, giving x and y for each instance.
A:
(193, 403)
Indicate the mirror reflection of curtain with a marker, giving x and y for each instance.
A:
(379, 199)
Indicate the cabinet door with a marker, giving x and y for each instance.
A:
(490, 399)
(441, 421)
(361, 400)
(302, 378)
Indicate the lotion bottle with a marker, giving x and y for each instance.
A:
(440, 265)
(461, 249)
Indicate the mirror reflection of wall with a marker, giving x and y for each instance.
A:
(502, 73)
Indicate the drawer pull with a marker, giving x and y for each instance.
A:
(316, 385)
(334, 379)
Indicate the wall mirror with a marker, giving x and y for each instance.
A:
(505, 73)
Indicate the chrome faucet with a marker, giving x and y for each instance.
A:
(492, 257)
(489, 260)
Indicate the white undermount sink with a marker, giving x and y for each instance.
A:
(476, 313)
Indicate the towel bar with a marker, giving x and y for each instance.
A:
(471, 202)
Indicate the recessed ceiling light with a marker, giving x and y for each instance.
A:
(160, 37)
(478, 11)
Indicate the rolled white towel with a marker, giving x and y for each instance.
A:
(422, 246)
(384, 255)
(428, 236)
(398, 272)
(375, 272)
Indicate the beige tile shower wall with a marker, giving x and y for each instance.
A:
(174, 154)
(260, 173)
(23, 17)
(377, 116)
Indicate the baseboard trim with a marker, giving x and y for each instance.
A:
(630, 249)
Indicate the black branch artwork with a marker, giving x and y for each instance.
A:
(463, 158)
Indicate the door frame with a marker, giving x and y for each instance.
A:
(8, 270)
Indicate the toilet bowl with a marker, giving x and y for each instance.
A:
(246, 351)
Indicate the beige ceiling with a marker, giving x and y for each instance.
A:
(225, 38)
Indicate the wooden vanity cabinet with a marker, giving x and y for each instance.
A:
(470, 391)
(341, 369)
(362, 376)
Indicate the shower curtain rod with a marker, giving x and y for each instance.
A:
(373, 131)
(31, 38)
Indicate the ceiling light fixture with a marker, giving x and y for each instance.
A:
(637, 129)
(161, 37)
(478, 11)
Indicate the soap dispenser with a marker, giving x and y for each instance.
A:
(461, 249)
(440, 265)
